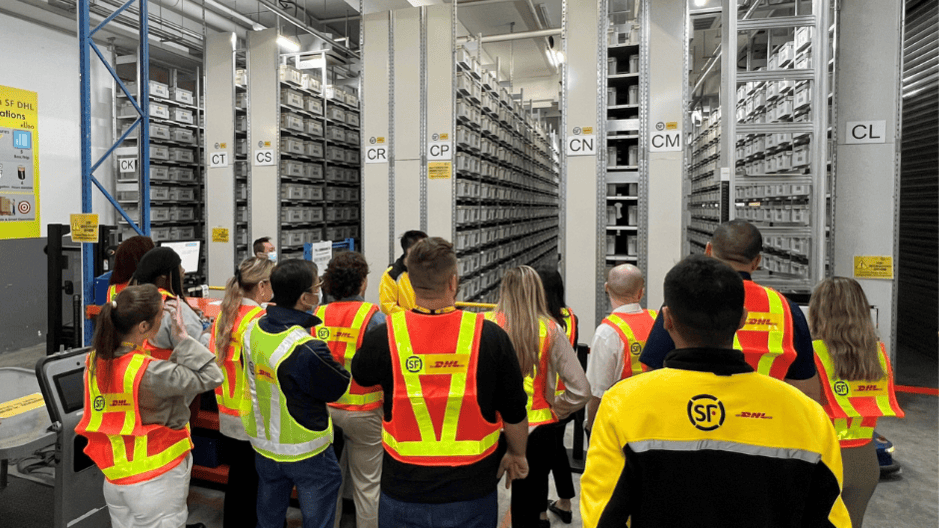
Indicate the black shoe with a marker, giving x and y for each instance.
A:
(566, 516)
(197, 525)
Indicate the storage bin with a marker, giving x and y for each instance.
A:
(180, 174)
(336, 154)
(182, 115)
(292, 145)
(291, 168)
(291, 215)
(292, 122)
(634, 64)
(314, 127)
(289, 74)
(352, 136)
(160, 234)
(159, 172)
(313, 171)
(334, 133)
(182, 155)
(181, 95)
(241, 123)
(291, 98)
(160, 214)
(157, 110)
(800, 156)
(182, 194)
(314, 149)
(159, 152)
(335, 113)
(633, 94)
(241, 77)
(182, 214)
(803, 96)
(157, 131)
(241, 101)
(183, 135)
(311, 83)
(159, 194)
(313, 104)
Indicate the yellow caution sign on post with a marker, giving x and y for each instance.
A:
(84, 227)
(873, 267)
(219, 234)
(439, 170)
(9, 409)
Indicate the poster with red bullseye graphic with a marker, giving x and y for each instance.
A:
(19, 164)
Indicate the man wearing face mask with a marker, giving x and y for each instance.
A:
(264, 248)
(291, 376)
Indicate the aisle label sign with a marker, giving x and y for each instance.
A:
(582, 145)
(219, 234)
(218, 159)
(84, 227)
(264, 157)
(858, 132)
(127, 165)
(440, 150)
(321, 254)
(439, 170)
(19, 164)
(873, 267)
(376, 154)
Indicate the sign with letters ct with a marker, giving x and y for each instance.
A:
(218, 159)
(857, 132)
(582, 145)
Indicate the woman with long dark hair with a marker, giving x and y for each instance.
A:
(241, 306)
(544, 354)
(126, 257)
(857, 381)
(136, 410)
(162, 267)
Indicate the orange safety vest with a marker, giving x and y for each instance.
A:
(570, 330)
(854, 406)
(766, 339)
(126, 450)
(115, 289)
(343, 329)
(436, 419)
(232, 395)
(160, 353)
(633, 330)
(536, 386)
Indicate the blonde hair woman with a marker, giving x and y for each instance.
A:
(857, 382)
(544, 353)
(241, 306)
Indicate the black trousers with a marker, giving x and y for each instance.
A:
(530, 495)
(560, 464)
(241, 494)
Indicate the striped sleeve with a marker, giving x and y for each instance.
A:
(603, 481)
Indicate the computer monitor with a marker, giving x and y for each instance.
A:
(188, 251)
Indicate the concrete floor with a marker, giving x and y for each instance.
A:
(908, 500)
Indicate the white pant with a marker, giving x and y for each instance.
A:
(361, 462)
(156, 503)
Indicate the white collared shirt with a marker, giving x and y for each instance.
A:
(606, 354)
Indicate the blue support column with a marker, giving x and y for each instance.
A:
(84, 60)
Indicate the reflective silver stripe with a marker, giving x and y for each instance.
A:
(252, 383)
(292, 449)
(286, 345)
(722, 445)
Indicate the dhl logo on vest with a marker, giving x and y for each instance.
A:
(860, 388)
(115, 403)
(437, 363)
(264, 373)
(342, 335)
(763, 322)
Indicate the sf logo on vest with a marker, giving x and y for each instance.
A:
(635, 349)
(706, 412)
(323, 333)
(414, 364)
(99, 403)
(841, 388)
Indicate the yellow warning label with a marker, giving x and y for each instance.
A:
(870, 267)
(587, 130)
(84, 227)
(439, 170)
(223, 145)
(219, 234)
(380, 141)
(444, 137)
(671, 125)
(267, 143)
(11, 408)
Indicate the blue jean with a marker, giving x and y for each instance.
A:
(317, 480)
(478, 513)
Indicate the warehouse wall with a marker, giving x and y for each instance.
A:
(46, 62)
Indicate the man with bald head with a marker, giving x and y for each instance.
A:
(618, 341)
(775, 339)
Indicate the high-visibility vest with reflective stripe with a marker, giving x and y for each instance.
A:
(232, 396)
(766, 339)
(854, 406)
(570, 330)
(271, 429)
(536, 384)
(115, 289)
(126, 450)
(160, 353)
(633, 330)
(435, 418)
(343, 329)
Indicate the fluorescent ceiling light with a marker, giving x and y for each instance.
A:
(423, 3)
(288, 44)
(700, 3)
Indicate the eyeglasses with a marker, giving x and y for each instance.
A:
(315, 287)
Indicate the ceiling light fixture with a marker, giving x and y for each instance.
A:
(700, 3)
(288, 44)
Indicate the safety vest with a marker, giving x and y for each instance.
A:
(115, 289)
(536, 385)
(270, 427)
(126, 450)
(343, 328)
(156, 352)
(633, 330)
(436, 419)
(570, 330)
(232, 396)
(854, 406)
(766, 339)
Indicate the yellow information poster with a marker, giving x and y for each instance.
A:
(439, 170)
(219, 234)
(19, 164)
(874, 267)
(84, 227)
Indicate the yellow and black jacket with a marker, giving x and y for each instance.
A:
(709, 442)
(395, 292)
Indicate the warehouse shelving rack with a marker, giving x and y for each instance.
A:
(507, 181)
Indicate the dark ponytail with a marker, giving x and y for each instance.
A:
(117, 318)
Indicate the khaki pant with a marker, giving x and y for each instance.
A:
(156, 503)
(361, 462)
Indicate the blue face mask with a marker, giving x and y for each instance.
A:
(272, 256)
